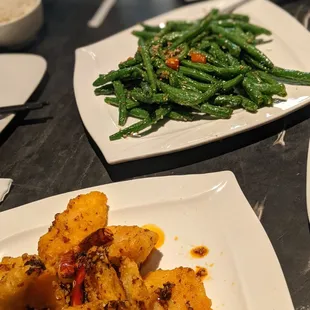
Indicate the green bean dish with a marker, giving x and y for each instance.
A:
(187, 70)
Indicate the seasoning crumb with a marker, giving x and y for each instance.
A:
(176, 238)
(201, 272)
(188, 306)
(165, 293)
(199, 251)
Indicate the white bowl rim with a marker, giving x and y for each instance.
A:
(39, 2)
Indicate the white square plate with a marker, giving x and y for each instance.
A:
(206, 209)
(20, 74)
(290, 48)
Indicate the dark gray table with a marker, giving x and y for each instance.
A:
(48, 152)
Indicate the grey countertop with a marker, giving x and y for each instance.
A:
(47, 152)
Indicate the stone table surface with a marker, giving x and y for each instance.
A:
(48, 152)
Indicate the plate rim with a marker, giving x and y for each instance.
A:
(227, 173)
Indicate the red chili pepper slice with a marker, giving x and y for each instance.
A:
(67, 266)
(173, 63)
(196, 57)
(77, 295)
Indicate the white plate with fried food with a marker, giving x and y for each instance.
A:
(199, 220)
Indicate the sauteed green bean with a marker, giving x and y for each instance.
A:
(190, 69)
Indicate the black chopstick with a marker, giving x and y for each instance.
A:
(23, 107)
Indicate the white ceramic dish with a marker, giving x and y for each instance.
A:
(20, 75)
(308, 183)
(19, 31)
(207, 209)
(290, 48)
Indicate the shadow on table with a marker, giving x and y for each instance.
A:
(146, 166)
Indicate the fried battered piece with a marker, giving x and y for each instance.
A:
(84, 215)
(16, 275)
(99, 305)
(136, 291)
(177, 289)
(46, 293)
(67, 265)
(96, 305)
(133, 242)
(101, 281)
(100, 237)
(118, 305)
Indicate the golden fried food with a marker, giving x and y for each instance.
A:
(133, 242)
(136, 291)
(177, 289)
(46, 293)
(101, 280)
(100, 237)
(84, 215)
(16, 276)
(68, 261)
(84, 265)
(96, 305)
(99, 305)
